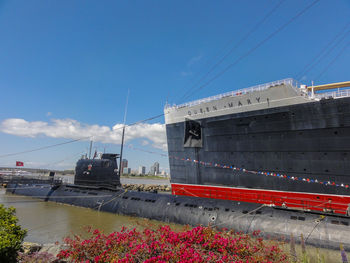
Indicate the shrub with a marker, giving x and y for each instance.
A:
(11, 235)
(200, 244)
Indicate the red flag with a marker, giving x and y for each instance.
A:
(18, 163)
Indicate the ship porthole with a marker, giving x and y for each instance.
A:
(213, 218)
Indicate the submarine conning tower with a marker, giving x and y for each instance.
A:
(101, 172)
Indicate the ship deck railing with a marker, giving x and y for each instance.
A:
(334, 94)
(261, 87)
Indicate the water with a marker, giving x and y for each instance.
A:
(48, 222)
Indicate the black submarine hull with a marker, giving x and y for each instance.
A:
(321, 230)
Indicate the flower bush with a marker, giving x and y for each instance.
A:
(200, 244)
(11, 235)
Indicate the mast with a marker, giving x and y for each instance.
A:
(90, 149)
(122, 144)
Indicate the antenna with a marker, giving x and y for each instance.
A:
(90, 149)
(122, 144)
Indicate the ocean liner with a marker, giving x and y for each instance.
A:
(280, 143)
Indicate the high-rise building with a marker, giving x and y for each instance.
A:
(124, 164)
(126, 170)
(156, 166)
(154, 170)
(142, 170)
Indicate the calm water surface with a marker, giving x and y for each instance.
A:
(48, 222)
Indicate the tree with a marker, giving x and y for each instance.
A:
(11, 234)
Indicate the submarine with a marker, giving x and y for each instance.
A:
(97, 186)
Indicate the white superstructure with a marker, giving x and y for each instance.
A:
(270, 95)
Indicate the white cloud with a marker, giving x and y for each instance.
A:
(144, 142)
(185, 73)
(72, 129)
(194, 60)
(191, 62)
(49, 114)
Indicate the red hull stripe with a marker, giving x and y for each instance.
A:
(308, 201)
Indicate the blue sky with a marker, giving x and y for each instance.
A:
(66, 66)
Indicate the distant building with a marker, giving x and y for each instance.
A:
(142, 170)
(154, 170)
(126, 170)
(156, 165)
(124, 164)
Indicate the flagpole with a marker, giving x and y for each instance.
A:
(90, 149)
(122, 144)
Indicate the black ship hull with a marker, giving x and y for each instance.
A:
(305, 147)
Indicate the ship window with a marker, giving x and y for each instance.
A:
(227, 209)
(92, 193)
(258, 212)
(177, 204)
(293, 217)
(335, 132)
(245, 212)
(335, 222)
(125, 197)
(344, 223)
(105, 164)
(301, 218)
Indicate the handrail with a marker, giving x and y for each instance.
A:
(287, 81)
(334, 94)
